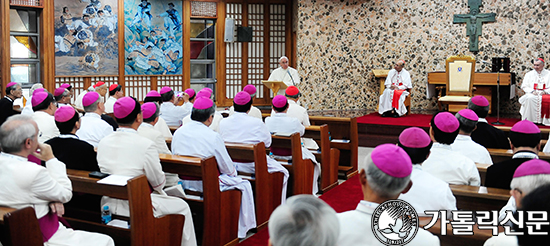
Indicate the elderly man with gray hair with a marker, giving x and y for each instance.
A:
(93, 128)
(24, 184)
(286, 74)
(302, 221)
(384, 174)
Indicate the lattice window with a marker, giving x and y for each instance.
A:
(175, 82)
(256, 47)
(137, 86)
(107, 80)
(77, 84)
(203, 9)
(233, 58)
(276, 35)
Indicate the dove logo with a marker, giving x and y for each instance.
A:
(395, 222)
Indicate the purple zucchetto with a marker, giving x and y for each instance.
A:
(480, 101)
(251, 89)
(153, 93)
(208, 89)
(38, 90)
(468, 114)
(148, 109)
(279, 101)
(64, 113)
(532, 167)
(123, 107)
(165, 90)
(414, 137)
(525, 127)
(242, 98)
(90, 98)
(59, 91)
(38, 98)
(10, 84)
(446, 122)
(392, 160)
(66, 86)
(203, 103)
(190, 92)
(204, 93)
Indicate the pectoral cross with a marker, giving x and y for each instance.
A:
(474, 20)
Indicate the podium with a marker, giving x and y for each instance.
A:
(275, 86)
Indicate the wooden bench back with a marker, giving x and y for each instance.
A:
(267, 186)
(220, 209)
(20, 227)
(499, 155)
(479, 197)
(328, 157)
(301, 171)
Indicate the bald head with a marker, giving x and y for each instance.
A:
(15, 131)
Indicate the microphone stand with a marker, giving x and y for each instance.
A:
(498, 100)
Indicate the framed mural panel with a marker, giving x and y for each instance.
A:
(153, 37)
(86, 37)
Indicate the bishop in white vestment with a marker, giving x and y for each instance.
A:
(535, 104)
(44, 107)
(397, 83)
(286, 74)
(150, 113)
(92, 127)
(464, 144)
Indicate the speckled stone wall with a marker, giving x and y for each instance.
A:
(339, 42)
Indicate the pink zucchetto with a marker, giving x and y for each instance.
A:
(165, 89)
(38, 98)
(414, 137)
(242, 98)
(392, 160)
(10, 84)
(208, 89)
(148, 109)
(153, 93)
(90, 98)
(204, 93)
(526, 127)
(532, 167)
(65, 85)
(38, 90)
(190, 92)
(59, 91)
(480, 101)
(123, 107)
(468, 114)
(446, 122)
(279, 101)
(203, 103)
(64, 113)
(251, 89)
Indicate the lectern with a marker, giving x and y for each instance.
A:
(275, 86)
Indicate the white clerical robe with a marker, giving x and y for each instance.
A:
(254, 112)
(403, 81)
(474, 151)
(428, 193)
(24, 184)
(356, 228)
(173, 114)
(109, 105)
(502, 240)
(125, 152)
(215, 126)
(93, 128)
(243, 128)
(281, 123)
(78, 100)
(296, 111)
(451, 166)
(162, 127)
(147, 130)
(46, 126)
(531, 103)
(27, 110)
(289, 76)
(196, 139)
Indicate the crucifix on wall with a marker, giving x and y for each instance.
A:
(474, 20)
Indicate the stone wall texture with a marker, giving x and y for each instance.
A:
(340, 42)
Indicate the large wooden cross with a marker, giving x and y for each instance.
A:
(474, 20)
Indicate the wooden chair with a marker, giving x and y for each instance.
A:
(145, 229)
(267, 186)
(301, 170)
(20, 227)
(460, 72)
(219, 210)
(479, 197)
(327, 156)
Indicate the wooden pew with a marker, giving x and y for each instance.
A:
(301, 171)
(479, 197)
(220, 210)
(173, 128)
(328, 157)
(20, 227)
(342, 129)
(145, 229)
(267, 186)
(499, 155)
(482, 169)
(479, 237)
(169, 143)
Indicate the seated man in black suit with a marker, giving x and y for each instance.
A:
(485, 134)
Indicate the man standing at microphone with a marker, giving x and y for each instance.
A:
(284, 73)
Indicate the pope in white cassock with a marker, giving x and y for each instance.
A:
(535, 104)
(397, 85)
(286, 74)
(197, 139)
(125, 152)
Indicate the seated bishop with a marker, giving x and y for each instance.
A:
(161, 126)
(147, 128)
(197, 139)
(241, 127)
(397, 85)
(535, 104)
(44, 106)
(93, 128)
(254, 112)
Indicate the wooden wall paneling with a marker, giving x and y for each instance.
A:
(288, 34)
(186, 83)
(256, 55)
(121, 43)
(47, 46)
(4, 44)
(266, 98)
(245, 23)
(233, 56)
(222, 100)
(154, 84)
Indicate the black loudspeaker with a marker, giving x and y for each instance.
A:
(244, 34)
(501, 64)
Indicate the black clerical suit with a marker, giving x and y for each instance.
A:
(500, 175)
(75, 153)
(6, 109)
(490, 137)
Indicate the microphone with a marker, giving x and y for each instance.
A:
(288, 71)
